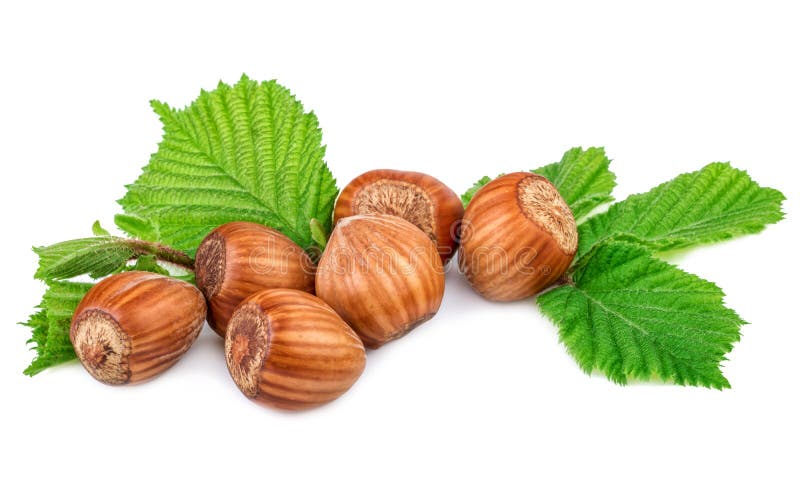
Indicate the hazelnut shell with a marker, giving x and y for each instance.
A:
(518, 237)
(134, 325)
(288, 349)
(382, 275)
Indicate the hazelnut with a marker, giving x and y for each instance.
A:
(518, 237)
(418, 198)
(288, 349)
(132, 326)
(239, 259)
(382, 275)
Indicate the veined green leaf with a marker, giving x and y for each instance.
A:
(50, 324)
(246, 152)
(631, 316)
(98, 256)
(713, 204)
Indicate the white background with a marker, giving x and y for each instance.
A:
(483, 397)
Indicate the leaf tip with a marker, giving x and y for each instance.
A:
(99, 230)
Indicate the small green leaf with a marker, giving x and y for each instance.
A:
(466, 197)
(714, 204)
(631, 316)
(583, 179)
(247, 152)
(318, 233)
(98, 230)
(50, 324)
(137, 227)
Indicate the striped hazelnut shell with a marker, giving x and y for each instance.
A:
(133, 326)
(288, 349)
(382, 275)
(239, 259)
(518, 237)
(418, 198)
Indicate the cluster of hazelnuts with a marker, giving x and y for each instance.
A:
(295, 331)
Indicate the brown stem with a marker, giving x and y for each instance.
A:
(163, 253)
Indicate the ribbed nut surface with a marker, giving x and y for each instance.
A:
(518, 237)
(418, 198)
(288, 349)
(132, 326)
(382, 275)
(239, 259)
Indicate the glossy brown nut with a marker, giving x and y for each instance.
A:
(418, 198)
(239, 259)
(132, 326)
(382, 275)
(518, 237)
(288, 349)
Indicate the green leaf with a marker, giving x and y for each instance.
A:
(583, 179)
(98, 256)
(98, 230)
(246, 152)
(50, 324)
(318, 233)
(137, 227)
(466, 197)
(632, 316)
(713, 204)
